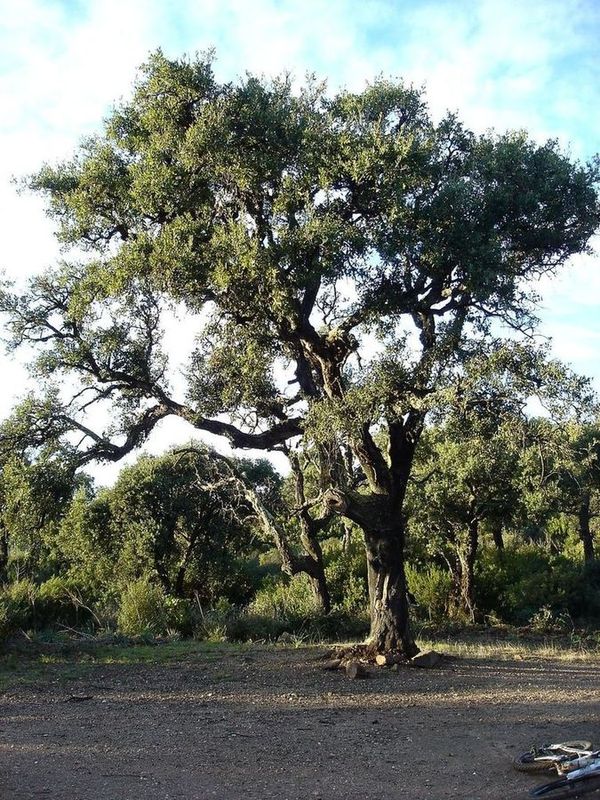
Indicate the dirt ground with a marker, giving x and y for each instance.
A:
(271, 723)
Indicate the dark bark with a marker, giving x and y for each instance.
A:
(381, 522)
(309, 529)
(3, 555)
(371, 582)
(585, 533)
(346, 537)
(390, 627)
(319, 587)
(161, 571)
(103, 449)
(497, 536)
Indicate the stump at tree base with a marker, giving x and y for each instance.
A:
(389, 659)
(354, 670)
(426, 660)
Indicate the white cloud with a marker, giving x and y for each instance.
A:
(496, 62)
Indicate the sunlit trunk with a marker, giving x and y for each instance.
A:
(463, 574)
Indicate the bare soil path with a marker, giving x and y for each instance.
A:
(270, 723)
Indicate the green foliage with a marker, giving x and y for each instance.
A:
(17, 607)
(34, 495)
(88, 547)
(245, 625)
(258, 204)
(520, 582)
(61, 601)
(346, 573)
(545, 620)
(58, 602)
(143, 609)
(294, 227)
(285, 599)
(431, 588)
(175, 519)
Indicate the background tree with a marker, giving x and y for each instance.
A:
(468, 464)
(562, 472)
(171, 519)
(296, 227)
(35, 495)
(471, 479)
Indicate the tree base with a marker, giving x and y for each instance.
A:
(367, 653)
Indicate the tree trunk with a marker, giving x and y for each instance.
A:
(309, 536)
(463, 577)
(183, 565)
(371, 581)
(497, 535)
(163, 575)
(381, 522)
(584, 527)
(311, 563)
(320, 589)
(314, 566)
(346, 537)
(3, 556)
(390, 625)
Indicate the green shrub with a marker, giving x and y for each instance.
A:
(61, 601)
(524, 583)
(143, 610)
(431, 588)
(17, 607)
(5, 624)
(244, 625)
(547, 621)
(250, 575)
(340, 625)
(346, 574)
(583, 592)
(214, 626)
(281, 598)
(179, 615)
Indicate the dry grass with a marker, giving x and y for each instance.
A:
(585, 649)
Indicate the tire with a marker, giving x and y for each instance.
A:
(568, 788)
(576, 744)
(534, 761)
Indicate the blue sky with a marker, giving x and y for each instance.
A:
(499, 63)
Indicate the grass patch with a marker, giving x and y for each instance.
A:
(59, 661)
(31, 663)
(506, 643)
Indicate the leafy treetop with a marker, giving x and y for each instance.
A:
(349, 243)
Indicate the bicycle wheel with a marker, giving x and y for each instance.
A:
(564, 787)
(544, 758)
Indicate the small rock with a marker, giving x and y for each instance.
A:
(426, 660)
(334, 663)
(354, 670)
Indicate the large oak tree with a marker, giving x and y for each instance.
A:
(339, 253)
